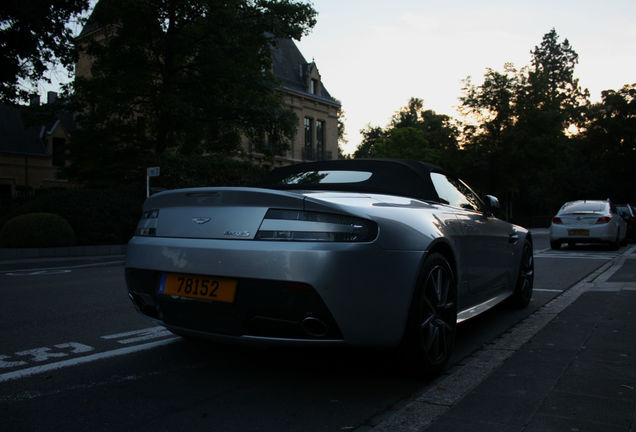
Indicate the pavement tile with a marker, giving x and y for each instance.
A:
(496, 408)
(459, 425)
(605, 370)
(588, 408)
(546, 423)
(627, 272)
(598, 384)
(536, 364)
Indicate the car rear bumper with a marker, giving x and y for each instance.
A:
(572, 233)
(358, 291)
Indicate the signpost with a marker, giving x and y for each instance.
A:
(151, 172)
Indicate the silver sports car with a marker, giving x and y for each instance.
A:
(375, 253)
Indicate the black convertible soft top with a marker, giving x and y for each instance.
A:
(400, 177)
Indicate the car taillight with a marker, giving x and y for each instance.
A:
(603, 220)
(147, 226)
(294, 225)
(557, 220)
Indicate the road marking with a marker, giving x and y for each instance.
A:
(57, 270)
(140, 335)
(40, 354)
(38, 272)
(576, 255)
(23, 373)
(10, 364)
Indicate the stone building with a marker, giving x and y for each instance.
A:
(317, 111)
(303, 91)
(32, 151)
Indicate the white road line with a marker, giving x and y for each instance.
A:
(577, 256)
(139, 335)
(23, 373)
(63, 267)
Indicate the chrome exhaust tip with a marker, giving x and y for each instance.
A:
(314, 327)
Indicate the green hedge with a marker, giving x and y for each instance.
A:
(37, 230)
(98, 216)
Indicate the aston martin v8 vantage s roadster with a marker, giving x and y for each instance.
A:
(375, 253)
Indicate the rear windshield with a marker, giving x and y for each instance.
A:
(392, 177)
(583, 207)
(325, 177)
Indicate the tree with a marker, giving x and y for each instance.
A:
(414, 133)
(370, 135)
(34, 35)
(518, 144)
(184, 76)
(609, 145)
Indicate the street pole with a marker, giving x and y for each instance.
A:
(151, 172)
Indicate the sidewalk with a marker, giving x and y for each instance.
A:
(578, 373)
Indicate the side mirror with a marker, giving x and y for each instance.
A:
(492, 202)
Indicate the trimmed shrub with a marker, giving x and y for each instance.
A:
(37, 230)
(98, 216)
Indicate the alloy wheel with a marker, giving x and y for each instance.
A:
(437, 314)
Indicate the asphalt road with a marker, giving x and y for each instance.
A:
(74, 355)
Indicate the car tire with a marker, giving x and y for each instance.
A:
(525, 278)
(555, 244)
(432, 323)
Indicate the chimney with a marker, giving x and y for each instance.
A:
(51, 97)
(35, 100)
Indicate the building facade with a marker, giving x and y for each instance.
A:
(32, 152)
(305, 94)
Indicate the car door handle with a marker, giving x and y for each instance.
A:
(513, 238)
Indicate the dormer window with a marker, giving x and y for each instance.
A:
(313, 86)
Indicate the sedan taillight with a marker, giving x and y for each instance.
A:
(603, 220)
(557, 220)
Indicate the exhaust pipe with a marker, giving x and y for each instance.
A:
(314, 327)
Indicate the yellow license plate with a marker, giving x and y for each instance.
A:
(198, 287)
(579, 232)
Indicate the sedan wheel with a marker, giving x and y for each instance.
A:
(432, 324)
(525, 279)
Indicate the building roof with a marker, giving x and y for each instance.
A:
(291, 68)
(16, 138)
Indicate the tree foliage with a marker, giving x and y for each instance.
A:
(184, 76)
(608, 145)
(519, 144)
(414, 133)
(34, 35)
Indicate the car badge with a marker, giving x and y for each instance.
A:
(201, 220)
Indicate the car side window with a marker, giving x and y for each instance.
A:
(454, 193)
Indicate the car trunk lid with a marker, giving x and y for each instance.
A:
(213, 213)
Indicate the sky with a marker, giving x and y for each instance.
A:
(374, 55)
